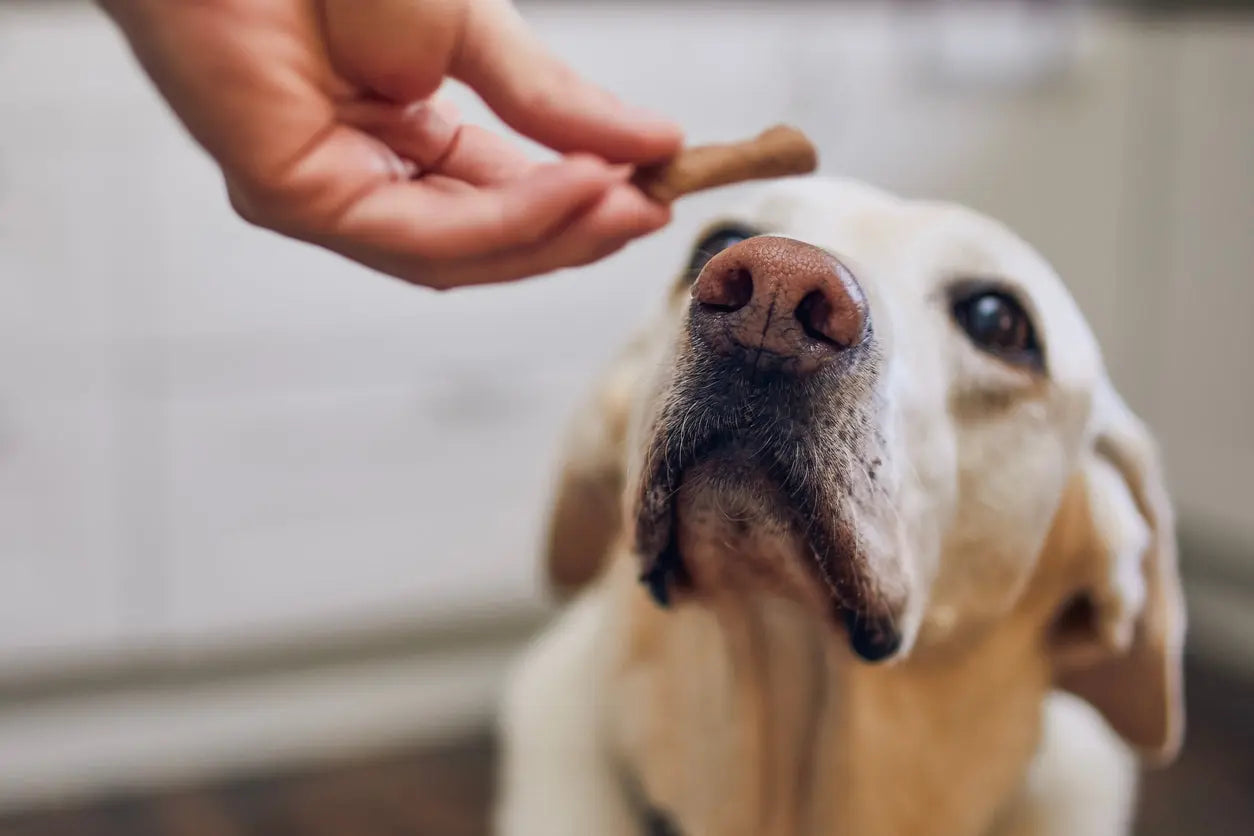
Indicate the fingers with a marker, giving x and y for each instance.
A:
(620, 216)
(413, 219)
(617, 219)
(399, 49)
(353, 193)
(483, 158)
(430, 134)
(442, 231)
(539, 96)
(352, 185)
(423, 131)
(402, 49)
(262, 87)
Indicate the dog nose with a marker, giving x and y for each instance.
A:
(781, 296)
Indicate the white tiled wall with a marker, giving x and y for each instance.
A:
(208, 433)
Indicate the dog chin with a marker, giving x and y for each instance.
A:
(734, 531)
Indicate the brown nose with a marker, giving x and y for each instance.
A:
(781, 296)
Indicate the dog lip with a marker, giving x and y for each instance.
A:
(663, 567)
(655, 522)
(872, 638)
(871, 633)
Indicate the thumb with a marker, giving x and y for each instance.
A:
(539, 96)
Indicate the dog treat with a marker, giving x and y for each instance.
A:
(776, 152)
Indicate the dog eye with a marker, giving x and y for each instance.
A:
(714, 243)
(997, 323)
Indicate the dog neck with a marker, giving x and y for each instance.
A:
(741, 714)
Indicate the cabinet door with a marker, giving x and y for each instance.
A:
(311, 507)
(75, 205)
(74, 220)
(1204, 393)
(61, 565)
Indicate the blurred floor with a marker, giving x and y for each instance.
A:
(441, 790)
(445, 790)
(1210, 790)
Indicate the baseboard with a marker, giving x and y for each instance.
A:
(151, 724)
(80, 743)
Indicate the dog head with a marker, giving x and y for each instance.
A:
(894, 414)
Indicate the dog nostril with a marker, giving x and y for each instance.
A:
(814, 313)
(728, 293)
(836, 320)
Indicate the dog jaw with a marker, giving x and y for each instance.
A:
(762, 483)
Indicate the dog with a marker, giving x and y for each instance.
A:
(859, 539)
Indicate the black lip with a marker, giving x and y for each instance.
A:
(873, 639)
(666, 572)
(656, 523)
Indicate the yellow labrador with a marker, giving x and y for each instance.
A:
(861, 541)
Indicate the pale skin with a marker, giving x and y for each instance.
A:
(322, 117)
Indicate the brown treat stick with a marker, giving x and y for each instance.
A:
(776, 152)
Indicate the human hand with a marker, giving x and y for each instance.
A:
(322, 118)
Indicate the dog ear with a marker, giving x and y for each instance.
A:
(586, 515)
(1119, 644)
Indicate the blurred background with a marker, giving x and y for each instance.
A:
(268, 521)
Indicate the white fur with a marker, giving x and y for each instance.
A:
(979, 494)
